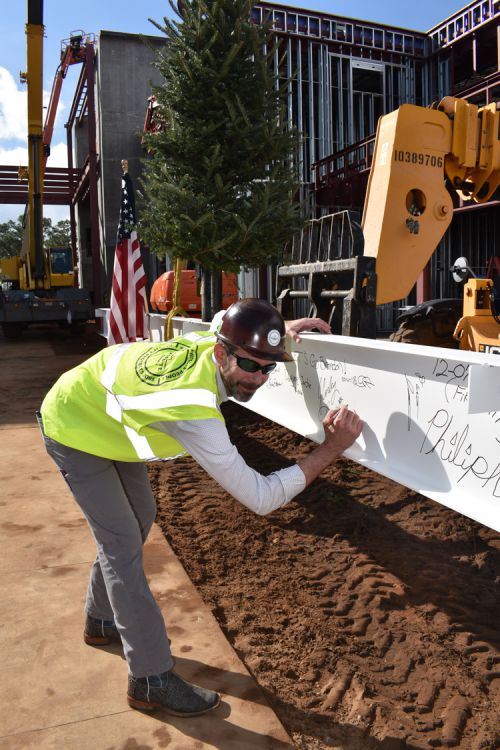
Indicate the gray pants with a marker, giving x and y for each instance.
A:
(118, 503)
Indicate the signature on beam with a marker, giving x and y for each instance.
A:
(319, 362)
(360, 381)
(454, 375)
(413, 389)
(329, 392)
(452, 445)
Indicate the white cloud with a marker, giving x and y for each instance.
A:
(58, 155)
(13, 114)
(18, 155)
(13, 109)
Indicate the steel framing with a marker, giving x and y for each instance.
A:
(59, 184)
(322, 112)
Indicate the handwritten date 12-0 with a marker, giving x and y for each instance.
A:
(454, 377)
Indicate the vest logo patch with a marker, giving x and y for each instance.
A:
(165, 362)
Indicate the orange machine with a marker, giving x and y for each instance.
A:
(162, 292)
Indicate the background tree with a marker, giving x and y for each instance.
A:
(220, 179)
(12, 233)
(11, 238)
(57, 235)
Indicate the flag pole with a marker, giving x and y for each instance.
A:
(128, 306)
(177, 308)
(124, 163)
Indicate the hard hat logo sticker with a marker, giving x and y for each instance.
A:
(273, 337)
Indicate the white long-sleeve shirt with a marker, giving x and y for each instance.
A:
(208, 442)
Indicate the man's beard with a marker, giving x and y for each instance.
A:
(238, 391)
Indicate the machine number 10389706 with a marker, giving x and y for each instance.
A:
(413, 157)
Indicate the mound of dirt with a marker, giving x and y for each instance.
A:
(367, 613)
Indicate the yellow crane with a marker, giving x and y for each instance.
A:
(38, 285)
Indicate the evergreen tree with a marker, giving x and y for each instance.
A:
(220, 179)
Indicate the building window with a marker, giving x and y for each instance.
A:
(279, 21)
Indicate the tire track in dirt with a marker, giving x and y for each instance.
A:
(367, 613)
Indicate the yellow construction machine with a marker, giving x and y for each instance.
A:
(421, 156)
(39, 285)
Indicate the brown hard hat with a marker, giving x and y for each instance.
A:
(255, 326)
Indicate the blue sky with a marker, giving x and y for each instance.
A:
(62, 18)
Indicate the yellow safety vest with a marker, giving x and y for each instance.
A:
(105, 406)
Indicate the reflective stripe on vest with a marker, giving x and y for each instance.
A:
(193, 336)
(141, 444)
(108, 378)
(166, 399)
(117, 404)
(143, 448)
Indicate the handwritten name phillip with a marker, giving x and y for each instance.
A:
(454, 448)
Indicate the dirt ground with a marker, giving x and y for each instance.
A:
(368, 614)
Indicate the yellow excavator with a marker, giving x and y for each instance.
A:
(39, 285)
(421, 156)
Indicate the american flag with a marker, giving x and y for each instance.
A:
(128, 306)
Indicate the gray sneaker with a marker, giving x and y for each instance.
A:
(171, 693)
(99, 632)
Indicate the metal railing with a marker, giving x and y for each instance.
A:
(59, 185)
(341, 165)
(348, 31)
(467, 20)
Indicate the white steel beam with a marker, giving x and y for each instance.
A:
(432, 415)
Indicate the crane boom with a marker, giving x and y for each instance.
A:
(34, 79)
(72, 52)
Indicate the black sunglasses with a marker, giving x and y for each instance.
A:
(250, 365)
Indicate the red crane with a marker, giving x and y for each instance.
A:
(72, 52)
